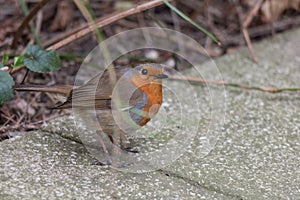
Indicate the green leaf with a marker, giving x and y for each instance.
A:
(5, 59)
(18, 61)
(6, 84)
(40, 60)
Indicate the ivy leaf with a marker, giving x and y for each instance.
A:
(18, 61)
(39, 60)
(6, 84)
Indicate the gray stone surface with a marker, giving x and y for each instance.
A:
(42, 165)
(257, 155)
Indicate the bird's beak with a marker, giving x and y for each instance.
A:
(161, 76)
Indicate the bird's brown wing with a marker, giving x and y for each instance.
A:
(96, 93)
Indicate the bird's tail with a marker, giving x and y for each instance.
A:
(64, 90)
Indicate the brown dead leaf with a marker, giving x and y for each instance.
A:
(63, 16)
(272, 9)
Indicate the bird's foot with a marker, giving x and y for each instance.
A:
(130, 150)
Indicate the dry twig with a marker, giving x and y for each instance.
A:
(236, 85)
(245, 24)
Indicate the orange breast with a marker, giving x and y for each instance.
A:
(154, 96)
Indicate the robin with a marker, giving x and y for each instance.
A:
(145, 97)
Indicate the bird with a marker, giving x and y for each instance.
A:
(141, 85)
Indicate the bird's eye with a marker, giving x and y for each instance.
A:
(144, 71)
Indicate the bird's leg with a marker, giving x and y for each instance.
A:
(125, 145)
(109, 161)
(123, 140)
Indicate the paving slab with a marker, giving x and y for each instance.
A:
(41, 165)
(257, 156)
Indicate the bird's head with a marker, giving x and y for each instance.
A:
(146, 74)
